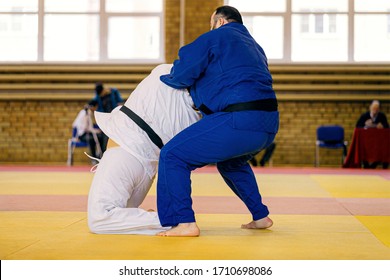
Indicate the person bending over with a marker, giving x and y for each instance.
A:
(129, 165)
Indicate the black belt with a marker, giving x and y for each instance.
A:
(144, 126)
(268, 105)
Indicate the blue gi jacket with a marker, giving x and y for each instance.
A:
(223, 67)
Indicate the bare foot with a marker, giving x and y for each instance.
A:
(259, 224)
(185, 229)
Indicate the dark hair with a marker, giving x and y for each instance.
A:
(93, 103)
(99, 87)
(229, 13)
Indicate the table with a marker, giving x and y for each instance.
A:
(368, 144)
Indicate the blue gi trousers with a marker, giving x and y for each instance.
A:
(227, 139)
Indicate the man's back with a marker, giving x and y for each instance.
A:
(223, 67)
(166, 110)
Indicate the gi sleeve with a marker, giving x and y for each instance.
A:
(193, 61)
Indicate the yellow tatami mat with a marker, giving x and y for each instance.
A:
(58, 183)
(317, 216)
(354, 186)
(380, 226)
(57, 235)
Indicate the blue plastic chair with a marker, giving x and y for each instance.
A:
(330, 137)
(73, 143)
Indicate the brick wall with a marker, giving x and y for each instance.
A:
(295, 142)
(172, 29)
(37, 131)
(197, 22)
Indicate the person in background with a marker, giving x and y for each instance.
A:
(88, 131)
(373, 119)
(107, 98)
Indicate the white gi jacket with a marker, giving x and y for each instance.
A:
(161, 107)
(125, 174)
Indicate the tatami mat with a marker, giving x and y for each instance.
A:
(64, 235)
(317, 215)
(366, 186)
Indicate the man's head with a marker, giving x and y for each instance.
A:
(374, 107)
(99, 88)
(224, 15)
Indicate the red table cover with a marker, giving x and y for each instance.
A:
(368, 144)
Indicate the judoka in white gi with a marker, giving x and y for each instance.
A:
(126, 171)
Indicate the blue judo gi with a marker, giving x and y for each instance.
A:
(222, 67)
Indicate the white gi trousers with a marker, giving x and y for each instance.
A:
(116, 192)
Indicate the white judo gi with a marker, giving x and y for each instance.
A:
(125, 173)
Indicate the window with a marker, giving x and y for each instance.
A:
(269, 14)
(144, 45)
(18, 30)
(305, 24)
(372, 6)
(371, 36)
(326, 30)
(271, 40)
(388, 23)
(332, 23)
(372, 42)
(81, 31)
(319, 6)
(120, 6)
(319, 43)
(134, 29)
(245, 6)
(319, 23)
(319, 31)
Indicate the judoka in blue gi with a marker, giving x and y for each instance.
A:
(229, 81)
